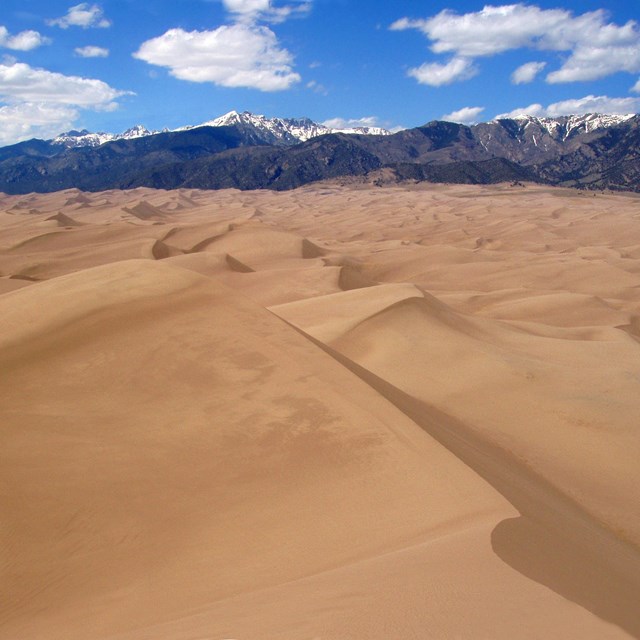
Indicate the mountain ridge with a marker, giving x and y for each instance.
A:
(592, 151)
(273, 130)
(294, 130)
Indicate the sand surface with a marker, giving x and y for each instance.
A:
(337, 413)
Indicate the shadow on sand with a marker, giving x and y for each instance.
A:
(554, 541)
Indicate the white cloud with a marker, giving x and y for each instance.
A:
(316, 87)
(437, 75)
(579, 106)
(247, 6)
(92, 52)
(251, 10)
(495, 29)
(29, 120)
(636, 87)
(21, 83)
(486, 32)
(23, 41)
(597, 47)
(82, 15)
(238, 55)
(466, 115)
(344, 123)
(535, 109)
(367, 121)
(527, 72)
(41, 103)
(593, 62)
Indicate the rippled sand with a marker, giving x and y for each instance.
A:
(341, 412)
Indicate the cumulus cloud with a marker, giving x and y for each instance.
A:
(596, 47)
(242, 54)
(527, 72)
(437, 75)
(486, 32)
(495, 29)
(40, 103)
(578, 106)
(251, 10)
(466, 115)
(27, 120)
(20, 82)
(595, 62)
(237, 55)
(82, 15)
(91, 52)
(23, 41)
(247, 6)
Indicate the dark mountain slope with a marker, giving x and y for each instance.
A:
(329, 156)
(31, 148)
(269, 168)
(115, 164)
(610, 161)
(585, 151)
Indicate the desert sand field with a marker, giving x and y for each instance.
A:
(337, 413)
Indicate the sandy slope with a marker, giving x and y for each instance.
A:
(339, 412)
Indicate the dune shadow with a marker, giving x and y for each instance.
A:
(555, 559)
(554, 542)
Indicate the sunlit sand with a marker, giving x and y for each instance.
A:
(340, 412)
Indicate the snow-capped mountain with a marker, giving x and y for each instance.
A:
(290, 131)
(279, 131)
(592, 151)
(285, 130)
(85, 138)
(563, 127)
(530, 139)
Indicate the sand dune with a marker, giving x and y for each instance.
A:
(338, 412)
(64, 220)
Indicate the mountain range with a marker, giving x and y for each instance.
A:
(247, 151)
(275, 131)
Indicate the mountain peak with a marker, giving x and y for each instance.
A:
(590, 151)
(589, 121)
(137, 130)
(282, 131)
(85, 138)
(290, 131)
(272, 131)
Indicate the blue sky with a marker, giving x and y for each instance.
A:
(108, 65)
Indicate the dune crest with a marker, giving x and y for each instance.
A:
(336, 412)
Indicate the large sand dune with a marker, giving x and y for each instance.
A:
(341, 412)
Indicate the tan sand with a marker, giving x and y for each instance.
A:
(341, 412)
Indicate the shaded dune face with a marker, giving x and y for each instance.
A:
(336, 412)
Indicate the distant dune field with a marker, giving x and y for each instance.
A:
(335, 413)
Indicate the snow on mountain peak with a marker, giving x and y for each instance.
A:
(565, 126)
(281, 130)
(269, 130)
(86, 139)
(287, 131)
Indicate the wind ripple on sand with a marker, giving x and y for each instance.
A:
(429, 431)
